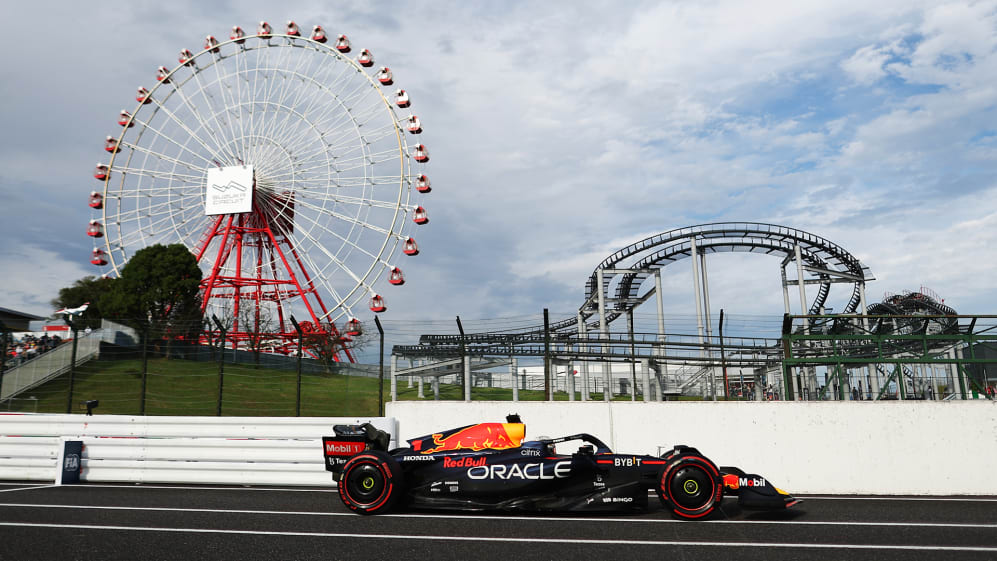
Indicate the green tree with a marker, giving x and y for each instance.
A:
(159, 291)
(88, 289)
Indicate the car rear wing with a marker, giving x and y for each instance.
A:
(349, 441)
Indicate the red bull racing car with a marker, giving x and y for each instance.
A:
(490, 466)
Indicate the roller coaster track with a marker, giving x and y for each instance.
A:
(624, 272)
(623, 275)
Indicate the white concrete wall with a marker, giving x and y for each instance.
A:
(895, 448)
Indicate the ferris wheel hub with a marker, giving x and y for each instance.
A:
(229, 190)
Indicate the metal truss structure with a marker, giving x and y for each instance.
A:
(674, 364)
(885, 357)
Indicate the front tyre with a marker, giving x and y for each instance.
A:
(690, 486)
(370, 482)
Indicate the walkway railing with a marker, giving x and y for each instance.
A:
(46, 366)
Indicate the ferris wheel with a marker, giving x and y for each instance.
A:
(283, 162)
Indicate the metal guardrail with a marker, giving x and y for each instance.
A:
(123, 448)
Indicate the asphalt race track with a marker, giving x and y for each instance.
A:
(147, 522)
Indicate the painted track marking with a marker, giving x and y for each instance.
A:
(506, 539)
(522, 518)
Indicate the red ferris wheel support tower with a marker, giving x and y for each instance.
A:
(256, 264)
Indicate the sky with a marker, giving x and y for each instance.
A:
(563, 131)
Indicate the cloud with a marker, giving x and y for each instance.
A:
(867, 64)
(561, 133)
(33, 292)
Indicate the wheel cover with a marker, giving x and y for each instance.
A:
(692, 487)
(365, 483)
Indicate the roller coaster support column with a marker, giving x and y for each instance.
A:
(574, 368)
(661, 310)
(645, 372)
(513, 365)
(585, 365)
(633, 358)
(805, 372)
(953, 372)
(709, 325)
(394, 378)
(549, 372)
(467, 378)
(865, 328)
(659, 381)
(699, 304)
(607, 391)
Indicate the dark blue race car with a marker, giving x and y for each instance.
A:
(490, 466)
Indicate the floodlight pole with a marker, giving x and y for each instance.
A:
(465, 383)
(380, 375)
(3, 356)
(301, 340)
(145, 366)
(221, 363)
(72, 365)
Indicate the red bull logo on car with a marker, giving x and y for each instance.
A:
(466, 461)
(483, 436)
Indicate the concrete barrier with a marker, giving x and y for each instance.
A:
(897, 448)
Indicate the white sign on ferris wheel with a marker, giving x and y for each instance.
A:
(229, 190)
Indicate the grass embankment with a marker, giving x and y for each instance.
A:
(182, 387)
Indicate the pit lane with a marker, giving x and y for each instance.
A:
(111, 522)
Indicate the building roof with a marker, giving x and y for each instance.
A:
(16, 321)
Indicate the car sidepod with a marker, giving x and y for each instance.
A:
(526, 479)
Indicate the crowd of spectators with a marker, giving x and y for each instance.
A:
(29, 346)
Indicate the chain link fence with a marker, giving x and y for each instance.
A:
(127, 374)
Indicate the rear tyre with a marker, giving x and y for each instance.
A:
(690, 486)
(370, 482)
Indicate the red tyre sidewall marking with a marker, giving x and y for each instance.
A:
(385, 495)
(702, 464)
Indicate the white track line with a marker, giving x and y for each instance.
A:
(199, 488)
(517, 518)
(27, 488)
(939, 499)
(506, 540)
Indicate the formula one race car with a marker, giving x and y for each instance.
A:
(488, 466)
